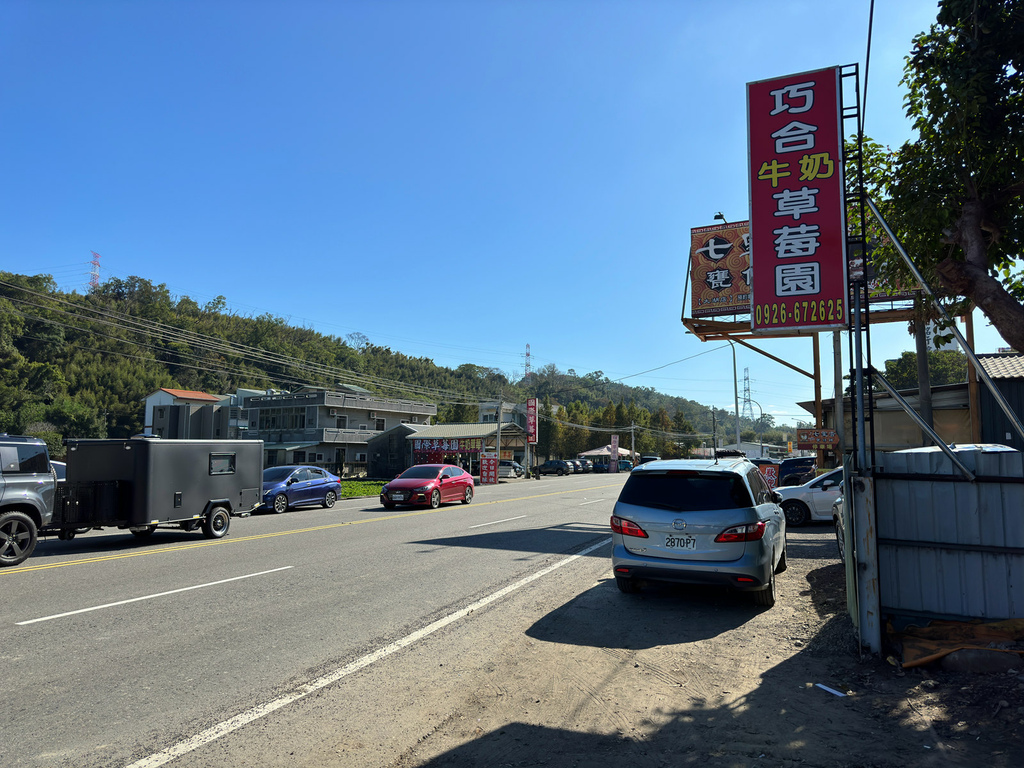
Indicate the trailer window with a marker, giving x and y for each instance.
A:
(222, 463)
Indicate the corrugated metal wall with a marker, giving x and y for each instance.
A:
(995, 427)
(949, 548)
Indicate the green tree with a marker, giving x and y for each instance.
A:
(945, 366)
(955, 194)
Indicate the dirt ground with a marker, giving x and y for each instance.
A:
(680, 677)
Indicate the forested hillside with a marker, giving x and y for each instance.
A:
(79, 365)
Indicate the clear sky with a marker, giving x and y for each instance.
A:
(454, 179)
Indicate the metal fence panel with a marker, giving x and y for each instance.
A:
(949, 548)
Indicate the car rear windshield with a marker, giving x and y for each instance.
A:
(686, 491)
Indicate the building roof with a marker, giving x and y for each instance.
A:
(448, 431)
(1003, 366)
(186, 394)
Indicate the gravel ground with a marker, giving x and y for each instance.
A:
(682, 676)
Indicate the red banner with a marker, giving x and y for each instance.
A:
(797, 215)
(531, 420)
(489, 468)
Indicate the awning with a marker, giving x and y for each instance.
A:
(289, 447)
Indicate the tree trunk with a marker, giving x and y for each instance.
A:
(971, 278)
(1004, 312)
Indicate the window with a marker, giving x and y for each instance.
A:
(159, 413)
(686, 493)
(222, 463)
(282, 418)
(762, 493)
(342, 422)
(360, 457)
(298, 456)
(379, 426)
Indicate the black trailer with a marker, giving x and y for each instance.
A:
(142, 483)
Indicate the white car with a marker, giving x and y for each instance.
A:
(813, 500)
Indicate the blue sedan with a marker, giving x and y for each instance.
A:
(291, 486)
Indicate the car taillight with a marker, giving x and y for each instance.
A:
(627, 528)
(750, 532)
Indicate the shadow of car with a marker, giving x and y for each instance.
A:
(290, 486)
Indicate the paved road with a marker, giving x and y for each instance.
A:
(116, 650)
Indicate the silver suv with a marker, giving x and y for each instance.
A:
(699, 522)
(27, 487)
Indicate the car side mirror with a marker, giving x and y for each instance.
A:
(776, 497)
(827, 484)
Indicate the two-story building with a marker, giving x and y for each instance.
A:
(328, 428)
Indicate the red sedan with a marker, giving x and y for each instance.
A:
(428, 484)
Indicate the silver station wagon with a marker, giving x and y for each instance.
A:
(699, 522)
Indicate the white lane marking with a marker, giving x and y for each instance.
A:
(233, 724)
(595, 501)
(507, 519)
(148, 597)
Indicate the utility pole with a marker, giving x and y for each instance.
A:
(497, 440)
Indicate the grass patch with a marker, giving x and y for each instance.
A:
(355, 488)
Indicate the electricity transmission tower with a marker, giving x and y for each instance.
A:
(748, 409)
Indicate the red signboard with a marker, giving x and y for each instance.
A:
(815, 439)
(451, 445)
(531, 420)
(489, 468)
(720, 270)
(770, 473)
(797, 215)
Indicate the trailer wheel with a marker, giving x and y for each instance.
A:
(216, 524)
(18, 537)
(143, 532)
(66, 534)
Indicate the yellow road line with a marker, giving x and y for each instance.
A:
(208, 543)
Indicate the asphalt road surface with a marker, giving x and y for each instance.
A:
(184, 651)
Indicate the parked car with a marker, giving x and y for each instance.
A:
(430, 485)
(576, 464)
(812, 500)
(27, 489)
(840, 525)
(587, 464)
(699, 522)
(290, 486)
(796, 470)
(600, 466)
(553, 467)
(625, 465)
(509, 468)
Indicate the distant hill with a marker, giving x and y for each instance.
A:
(79, 365)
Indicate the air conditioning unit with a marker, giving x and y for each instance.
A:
(373, 414)
(334, 411)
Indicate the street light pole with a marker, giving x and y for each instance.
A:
(736, 392)
(760, 432)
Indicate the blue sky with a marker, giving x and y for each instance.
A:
(455, 180)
